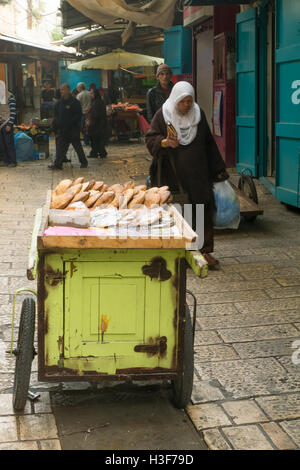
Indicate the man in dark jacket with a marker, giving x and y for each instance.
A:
(66, 125)
(160, 93)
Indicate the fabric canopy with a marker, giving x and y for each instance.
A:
(115, 60)
(155, 13)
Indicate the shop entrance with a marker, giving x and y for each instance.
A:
(204, 77)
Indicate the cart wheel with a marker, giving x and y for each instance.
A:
(24, 354)
(246, 184)
(183, 385)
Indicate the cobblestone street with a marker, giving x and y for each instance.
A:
(247, 387)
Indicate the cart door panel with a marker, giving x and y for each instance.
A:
(287, 114)
(111, 307)
(246, 91)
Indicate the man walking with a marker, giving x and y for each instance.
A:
(7, 119)
(157, 95)
(66, 125)
(85, 99)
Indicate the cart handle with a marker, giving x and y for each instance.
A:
(19, 291)
(194, 312)
(197, 262)
(33, 254)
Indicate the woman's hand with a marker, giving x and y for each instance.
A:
(173, 143)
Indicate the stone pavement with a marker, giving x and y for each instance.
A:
(247, 380)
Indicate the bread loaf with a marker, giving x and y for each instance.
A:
(79, 180)
(137, 200)
(127, 196)
(88, 185)
(162, 189)
(137, 189)
(104, 199)
(63, 200)
(93, 198)
(152, 199)
(98, 186)
(116, 188)
(82, 196)
(76, 188)
(164, 197)
(128, 185)
(155, 189)
(63, 186)
(116, 200)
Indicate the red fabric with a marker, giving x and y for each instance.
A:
(143, 123)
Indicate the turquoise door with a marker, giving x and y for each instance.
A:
(287, 118)
(246, 91)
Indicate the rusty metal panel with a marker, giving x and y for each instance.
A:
(110, 314)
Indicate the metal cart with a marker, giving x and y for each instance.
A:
(245, 190)
(247, 194)
(109, 309)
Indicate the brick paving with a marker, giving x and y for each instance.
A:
(246, 388)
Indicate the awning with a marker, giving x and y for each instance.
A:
(34, 48)
(115, 60)
(154, 13)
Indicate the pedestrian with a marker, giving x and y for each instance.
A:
(8, 114)
(197, 160)
(157, 95)
(96, 125)
(30, 87)
(93, 86)
(85, 100)
(66, 125)
(47, 101)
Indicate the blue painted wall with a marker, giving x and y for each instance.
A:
(72, 77)
(177, 49)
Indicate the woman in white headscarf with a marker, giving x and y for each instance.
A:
(194, 152)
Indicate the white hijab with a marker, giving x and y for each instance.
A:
(185, 124)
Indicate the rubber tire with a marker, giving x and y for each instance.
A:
(183, 385)
(25, 354)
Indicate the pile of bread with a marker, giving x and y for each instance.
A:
(95, 194)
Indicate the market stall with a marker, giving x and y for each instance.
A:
(125, 117)
(126, 121)
(39, 131)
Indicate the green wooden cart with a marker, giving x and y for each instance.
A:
(108, 309)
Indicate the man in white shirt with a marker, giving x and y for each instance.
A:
(85, 99)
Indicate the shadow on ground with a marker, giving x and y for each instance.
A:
(123, 418)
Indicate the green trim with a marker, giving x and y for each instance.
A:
(262, 99)
(246, 15)
(288, 54)
(287, 130)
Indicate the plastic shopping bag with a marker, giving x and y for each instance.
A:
(227, 203)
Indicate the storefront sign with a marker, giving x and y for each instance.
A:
(218, 113)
